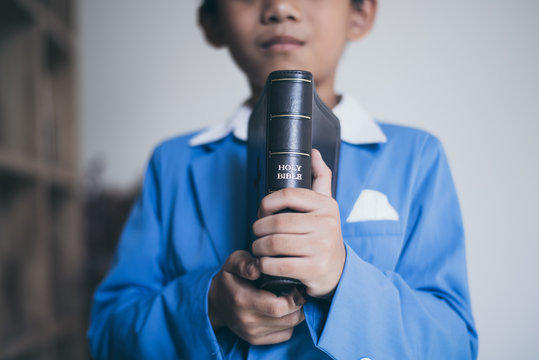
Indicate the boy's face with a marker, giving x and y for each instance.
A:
(268, 35)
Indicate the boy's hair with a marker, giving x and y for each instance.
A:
(210, 6)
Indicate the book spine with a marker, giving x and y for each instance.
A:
(288, 147)
(289, 132)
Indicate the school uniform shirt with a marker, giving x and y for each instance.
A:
(403, 293)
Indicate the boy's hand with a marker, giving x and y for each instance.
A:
(257, 316)
(310, 240)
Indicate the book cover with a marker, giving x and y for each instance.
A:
(288, 120)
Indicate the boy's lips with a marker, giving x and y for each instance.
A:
(282, 43)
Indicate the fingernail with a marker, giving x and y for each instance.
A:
(250, 269)
(299, 300)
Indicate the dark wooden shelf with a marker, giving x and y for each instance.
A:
(41, 243)
(39, 340)
(49, 22)
(36, 171)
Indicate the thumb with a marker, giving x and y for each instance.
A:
(243, 264)
(321, 174)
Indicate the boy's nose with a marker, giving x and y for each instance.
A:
(277, 11)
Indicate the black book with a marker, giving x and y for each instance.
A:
(288, 120)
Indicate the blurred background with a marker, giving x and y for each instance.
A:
(89, 87)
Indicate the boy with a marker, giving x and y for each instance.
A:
(383, 266)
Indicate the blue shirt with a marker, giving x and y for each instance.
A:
(403, 293)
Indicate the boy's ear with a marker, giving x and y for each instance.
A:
(362, 19)
(211, 27)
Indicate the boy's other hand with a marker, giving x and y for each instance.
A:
(310, 239)
(257, 316)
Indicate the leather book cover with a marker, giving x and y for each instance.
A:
(288, 120)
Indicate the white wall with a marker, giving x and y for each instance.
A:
(466, 71)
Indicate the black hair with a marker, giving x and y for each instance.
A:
(210, 6)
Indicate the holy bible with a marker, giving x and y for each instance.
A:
(288, 120)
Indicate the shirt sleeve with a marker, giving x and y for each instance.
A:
(137, 313)
(421, 310)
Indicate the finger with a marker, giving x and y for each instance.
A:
(272, 338)
(302, 200)
(284, 322)
(282, 245)
(242, 264)
(285, 223)
(273, 306)
(292, 267)
(299, 295)
(321, 174)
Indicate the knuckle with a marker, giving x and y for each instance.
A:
(298, 316)
(223, 277)
(244, 267)
(235, 262)
(279, 221)
(263, 264)
(293, 319)
(264, 203)
(259, 332)
(325, 246)
(287, 334)
(255, 247)
(324, 264)
(252, 331)
(328, 170)
(238, 256)
(273, 243)
(249, 322)
(272, 310)
(329, 222)
(282, 267)
(232, 257)
(238, 299)
(287, 193)
(275, 309)
(331, 205)
(256, 340)
(243, 319)
(256, 227)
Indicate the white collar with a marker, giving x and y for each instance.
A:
(357, 126)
